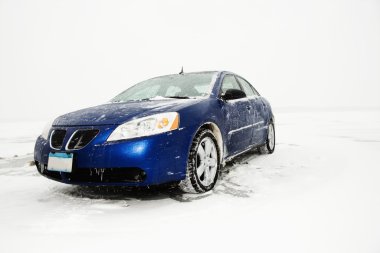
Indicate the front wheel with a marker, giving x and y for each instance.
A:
(270, 143)
(203, 164)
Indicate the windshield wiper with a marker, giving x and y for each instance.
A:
(179, 97)
(137, 100)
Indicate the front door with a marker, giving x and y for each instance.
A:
(238, 117)
(258, 114)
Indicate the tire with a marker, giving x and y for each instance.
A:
(203, 164)
(270, 143)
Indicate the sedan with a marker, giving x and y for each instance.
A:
(170, 129)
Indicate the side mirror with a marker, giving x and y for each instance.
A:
(231, 94)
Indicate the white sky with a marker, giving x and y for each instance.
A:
(57, 56)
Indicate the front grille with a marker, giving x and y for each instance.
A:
(81, 138)
(57, 137)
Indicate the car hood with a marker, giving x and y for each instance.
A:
(118, 113)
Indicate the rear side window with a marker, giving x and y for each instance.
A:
(229, 82)
(248, 89)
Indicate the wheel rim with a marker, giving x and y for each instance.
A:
(206, 162)
(271, 137)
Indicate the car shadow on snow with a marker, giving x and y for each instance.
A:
(226, 185)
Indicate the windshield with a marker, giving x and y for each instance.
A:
(184, 86)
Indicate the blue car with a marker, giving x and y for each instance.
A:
(170, 129)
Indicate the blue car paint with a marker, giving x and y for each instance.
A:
(118, 113)
(164, 156)
(146, 153)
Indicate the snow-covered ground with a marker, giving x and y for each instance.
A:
(18, 137)
(319, 192)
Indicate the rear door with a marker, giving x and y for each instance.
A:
(238, 118)
(258, 114)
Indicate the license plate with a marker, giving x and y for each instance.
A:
(62, 162)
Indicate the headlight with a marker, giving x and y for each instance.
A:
(155, 124)
(46, 130)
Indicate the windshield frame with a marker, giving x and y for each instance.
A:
(213, 74)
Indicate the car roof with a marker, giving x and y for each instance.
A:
(201, 72)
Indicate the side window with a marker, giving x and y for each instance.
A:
(255, 91)
(248, 89)
(229, 82)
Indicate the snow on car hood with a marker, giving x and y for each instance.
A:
(118, 113)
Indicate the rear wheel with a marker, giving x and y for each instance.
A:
(203, 164)
(270, 143)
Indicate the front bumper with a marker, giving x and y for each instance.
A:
(141, 161)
